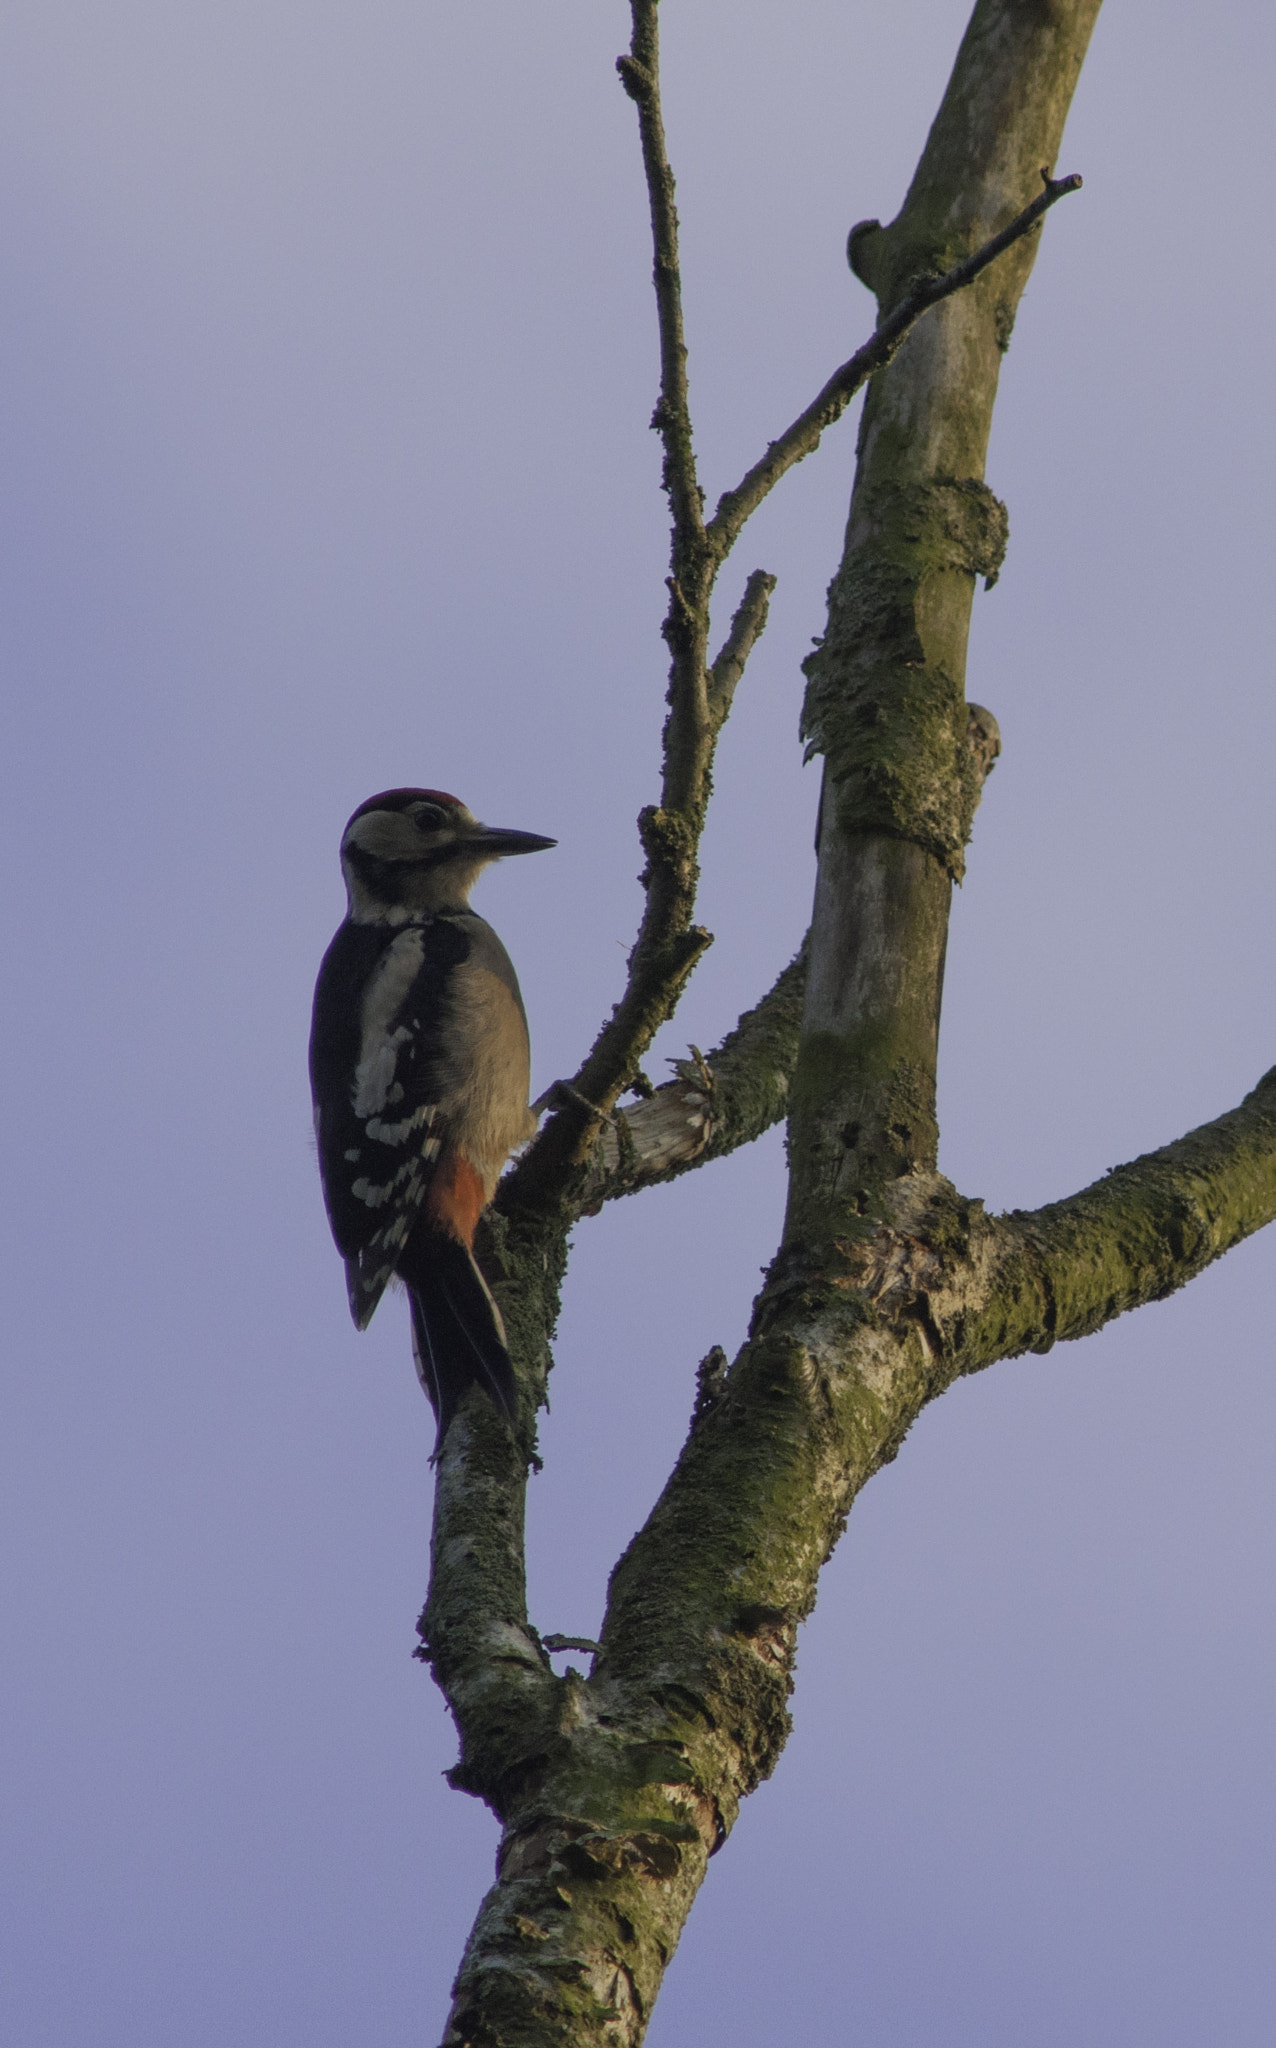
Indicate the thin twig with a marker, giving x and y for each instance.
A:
(691, 569)
(746, 627)
(640, 76)
(797, 441)
(668, 945)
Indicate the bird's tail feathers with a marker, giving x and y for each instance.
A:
(458, 1337)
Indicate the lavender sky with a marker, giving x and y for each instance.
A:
(327, 360)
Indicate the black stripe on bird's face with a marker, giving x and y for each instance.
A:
(418, 851)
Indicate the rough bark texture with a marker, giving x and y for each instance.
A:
(886, 687)
(614, 1789)
(715, 1103)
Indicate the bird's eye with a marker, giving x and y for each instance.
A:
(428, 817)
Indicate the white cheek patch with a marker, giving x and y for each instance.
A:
(388, 835)
(379, 1045)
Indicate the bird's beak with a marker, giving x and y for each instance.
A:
(493, 839)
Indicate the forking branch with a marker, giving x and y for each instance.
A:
(669, 943)
(828, 405)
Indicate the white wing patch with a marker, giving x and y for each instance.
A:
(397, 1134)
(405, 1183)
(374, 1082)
(394, 1185)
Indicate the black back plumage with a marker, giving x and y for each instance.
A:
(362, 1155)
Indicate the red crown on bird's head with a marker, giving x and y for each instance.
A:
(400, 799)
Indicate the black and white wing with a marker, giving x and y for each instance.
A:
(376, 1091)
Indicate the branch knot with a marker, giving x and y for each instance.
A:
(635, 78)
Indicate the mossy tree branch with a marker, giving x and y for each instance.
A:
(475, 1630)
(746, 627)
(716, 1102)
(1143, 1231)
(630, 1779)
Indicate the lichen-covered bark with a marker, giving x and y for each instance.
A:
(721, 1100)
(615, 1790)
(687, 1707)
(1135, 1236)
(885, 698)
(886, 687)
(716, 1102)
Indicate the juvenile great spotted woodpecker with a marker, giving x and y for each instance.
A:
(419, 1069)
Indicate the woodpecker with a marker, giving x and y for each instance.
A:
(419, 1069)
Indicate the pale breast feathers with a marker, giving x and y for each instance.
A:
(485, 1067)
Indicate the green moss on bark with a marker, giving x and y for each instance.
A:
(885, 700)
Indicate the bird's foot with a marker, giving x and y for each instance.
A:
(561, 1095)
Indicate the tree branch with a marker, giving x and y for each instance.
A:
(799, 440)
(846, 1348)
(747, 626)
(474, 1631)
(640, 76)
(690, 579)
(1135, 1236)
(716, 1102)
(726, 1098)
(973, 1289)
(668, 944)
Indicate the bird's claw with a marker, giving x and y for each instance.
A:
(561, 1094)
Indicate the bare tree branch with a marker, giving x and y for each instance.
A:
(640, 76)
(717, 1101)
(842, 1357)
(799, 440)
(747, 626)
(934, 1288)
(687, 737)
(668, 944)
(474, 1631)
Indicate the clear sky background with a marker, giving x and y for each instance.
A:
(326, 360)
